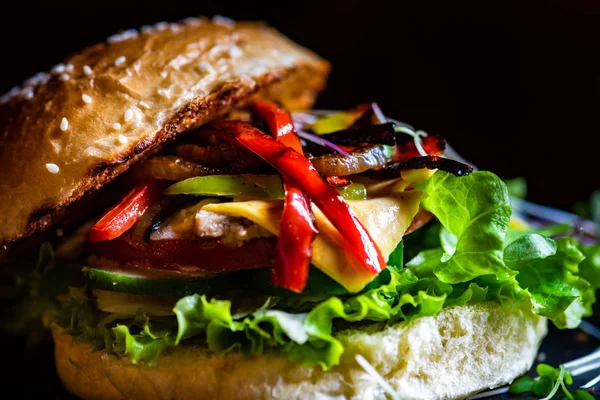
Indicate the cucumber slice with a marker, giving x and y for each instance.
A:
(231, 284)
(134, 283)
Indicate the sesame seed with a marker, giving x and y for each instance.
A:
(120, 60)
(191, 21)
(116, 126)
(206, 68)
(235, 51)
(223, 21)
(64, 124)
(178, 62)
(87, 70)
(8, 96)
(164, 74)
(123, 36)
(58, 69)
(128, 115)
(64, 77)
(122, 139)
(147, 29)
(38, 79)
(52, 168)
(86, 99)
(144, 105)
(164, 93)
(161, 26)
(28, 93)
(69, 68)
(138, 120)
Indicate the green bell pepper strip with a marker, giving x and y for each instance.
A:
(230, 186)
(251, 186)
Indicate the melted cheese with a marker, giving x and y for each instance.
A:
(386, 218)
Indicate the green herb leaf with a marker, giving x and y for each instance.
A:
(581, 394)
(543, 387)
(523, 384)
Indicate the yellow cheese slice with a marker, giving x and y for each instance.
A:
(386, 218)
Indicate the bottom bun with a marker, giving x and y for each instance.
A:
(456, 353)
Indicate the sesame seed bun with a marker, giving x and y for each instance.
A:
(460, 351)
(69, 132)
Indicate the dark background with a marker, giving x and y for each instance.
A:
(514, 86)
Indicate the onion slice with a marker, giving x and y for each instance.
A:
(322, 142)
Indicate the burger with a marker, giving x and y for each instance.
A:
(202, 234)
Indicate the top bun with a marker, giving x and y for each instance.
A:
(71, 131)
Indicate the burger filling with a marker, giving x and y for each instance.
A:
(277, 230)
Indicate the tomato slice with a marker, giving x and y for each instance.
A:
(119, 218)
(185, 256)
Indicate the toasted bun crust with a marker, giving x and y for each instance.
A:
(460, 351)
(171, 77)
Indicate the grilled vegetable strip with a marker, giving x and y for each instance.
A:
(430, 162)
(299, 170)
(127, 212)
(373, 134)
(225, 156)
(297, 229)
(360, 160)
(172, 168)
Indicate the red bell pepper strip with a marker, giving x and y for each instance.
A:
(295, 167)
(279, 122)
(296, 236)
(297, 229)
(338, 181)
(122, 216)
(433, 146)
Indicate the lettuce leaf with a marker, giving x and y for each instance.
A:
(589, 269)
(308, 338)
(534, 270)
(476, 209)
(549, 270)
(139, 347)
